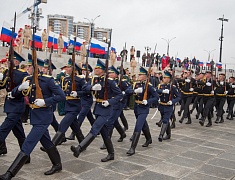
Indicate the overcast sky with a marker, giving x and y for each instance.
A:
(144, 23)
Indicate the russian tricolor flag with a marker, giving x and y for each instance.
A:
(208, 64)
(98, 47)
(219, 65)
(79, 42)
(52, 40)
(66, 40)
(201, 63)
(38, 39)
(178, 59)
(6, 33)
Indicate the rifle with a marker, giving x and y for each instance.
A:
(38, 91)
(225, 89)
(155, 49)
(87, 54)
(73, 67)
(50, 61)
(171, 85)
(107, 69)
(121, 70)
(11, 64)
(145, 97)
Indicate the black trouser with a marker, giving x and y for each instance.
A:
(208, 106)
(231, 102)
(186, 100)
(219, 104)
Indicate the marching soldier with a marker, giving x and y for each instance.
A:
(208, 98)
(221, 88)
(168, 95)
(83, 52)
(187, 87)
(13, 107)
(102, 110)
(113, 58)
(231, 98)
(40, 108)
(141, 109)
(44, 40)
(60, 45)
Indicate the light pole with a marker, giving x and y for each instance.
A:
(168, 44)
(221, 37)
(147, 48)
(209, 53)
(92, 25)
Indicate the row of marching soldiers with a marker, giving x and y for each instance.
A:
(78, 94)
(206, 91)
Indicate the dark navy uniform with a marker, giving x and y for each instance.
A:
(141, 110)
(101, 111)
(231, 98)
(13, 107)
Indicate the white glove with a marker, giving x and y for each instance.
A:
(105, 103)
(9, 95)
(191, 89)
(212, 92)
(165, 91)
(222, 83)
(226, 92)
(169, 103)
(74, 94)
(123, 92)
(187, 80)
(233, 86)
(1, 76)
(208, 84)
(23, 86)
(144, 102)
(138, 90)
(39, 102)
(96, 87)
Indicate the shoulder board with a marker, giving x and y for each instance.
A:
(21, 70)
(80, 76)
(45, 75)
(4, 71)
(110, 78)
(124, 79)
(25, 78)
(150, 84)
(159, 85)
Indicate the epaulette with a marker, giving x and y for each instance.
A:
(159, 85)
(80, 76)
(45, 75)
(150, 84)
(26, 78)
(110, 78)
(124, 79)
(21, 70)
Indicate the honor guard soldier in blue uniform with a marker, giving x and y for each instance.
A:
(13, 107)
(101, 111)
(72, 104)
(168, 96)
(221, 90)
(86, 103)
(141, 109)
(231, 98)
(41, 116)
(208, 98)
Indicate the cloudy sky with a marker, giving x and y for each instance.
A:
(144, 23)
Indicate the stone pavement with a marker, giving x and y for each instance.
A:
(194, 152)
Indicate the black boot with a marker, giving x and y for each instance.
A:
(173, 125)
(148, 137)
(71, 136)
(181, 120)
(83, 145)
(231, 117)
(159, 123)
(79, 136)
(222, 119)
(15, 166)
(134, 142)
(209, 123)
(21, 141)
(217, 120)
(179, 113)
(228, 116)
(103, 146)
(3, 148)
(124, 121)
(202, 121)
(163, 130)
(168, 132)
(109, 145)
(121, 132)
(189, 120)
(55, 160)
(131, 138)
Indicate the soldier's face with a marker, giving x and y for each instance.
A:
(221, 77)
(69, 70)
(44, 70)
(30, 70)
(112, 75)
(166, 80)
(142, 77)
(16, 62)
(99, 71)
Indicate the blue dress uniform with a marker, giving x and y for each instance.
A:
(72, 107)
(41, 116)
(231, 98)
(14, 108)
(102, 111)
(166, 105)
(141, 110)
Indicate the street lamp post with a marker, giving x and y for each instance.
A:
(92, 25)
(209, 53)
(168, 44)
(221, 37)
